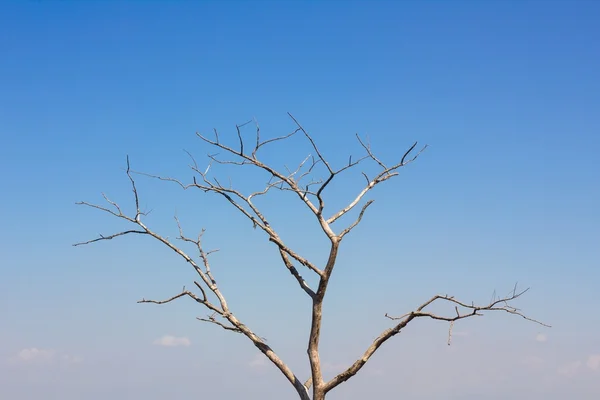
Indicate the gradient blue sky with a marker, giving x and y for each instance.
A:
(506, 93)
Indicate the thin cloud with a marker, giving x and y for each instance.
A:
(540, 337)
(35, 354)
(593, 362)
(258, 361)
(172, 341)
(570, 369)
(69, 359)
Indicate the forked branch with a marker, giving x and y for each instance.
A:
(246, 207)
(501, 304)
(220, 309)
(310, 191)
(382, 176)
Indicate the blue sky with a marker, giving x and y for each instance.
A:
(505, 93)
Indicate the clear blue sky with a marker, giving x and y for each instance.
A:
(506, 93)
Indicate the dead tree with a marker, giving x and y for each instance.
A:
(310, 192)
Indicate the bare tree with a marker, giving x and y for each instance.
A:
(310, 192)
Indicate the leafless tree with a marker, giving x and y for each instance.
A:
(301, 183)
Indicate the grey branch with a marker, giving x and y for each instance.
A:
(211, 319)
(501, 304)
(308, 383)
(245, 206)
(312, 142)
(109, 237)
(357, 221)
(385, 174)
(253, 160)
(222, 309)
(310, 191)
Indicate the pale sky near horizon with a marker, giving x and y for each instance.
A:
(505, 93)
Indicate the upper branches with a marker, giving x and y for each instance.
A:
(117, 212)
(311, 192)
(299, 181)
(245, 205)
(386, 173)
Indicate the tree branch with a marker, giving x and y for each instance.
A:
(357, 221)
(102, 237)
(387, 173)
(311, 191)
(206, 277)
(312, 142)
(501, 304)
(211, 319)
(254, 215)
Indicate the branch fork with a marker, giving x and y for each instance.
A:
(311, 192)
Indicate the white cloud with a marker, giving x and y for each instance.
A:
(540, 337)
(69, 359)
(593, 362)
(258, 361)
(172, 341)
(570, 369)
(35, 354)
